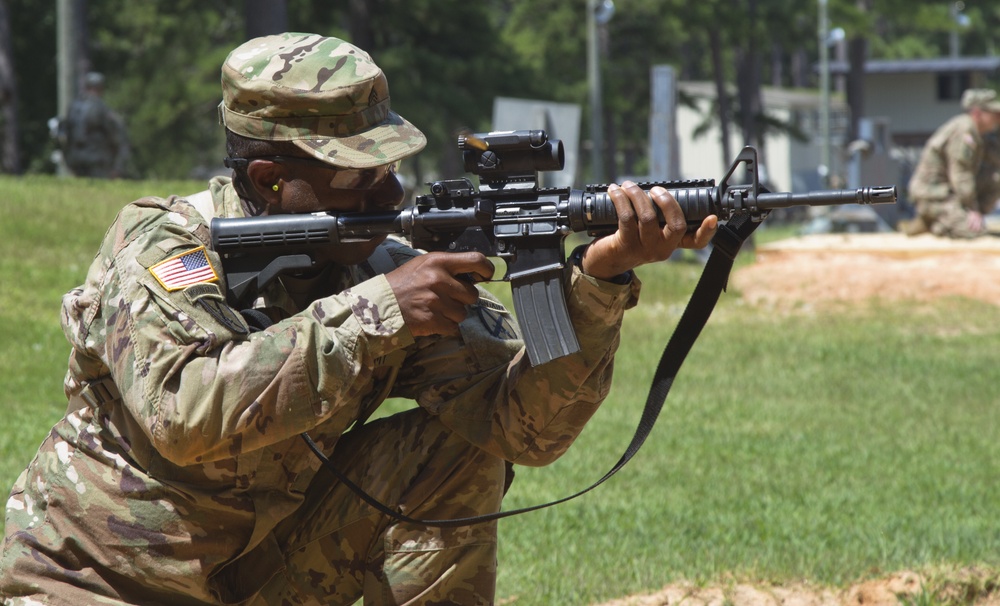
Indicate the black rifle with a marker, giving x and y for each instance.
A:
(509, 217)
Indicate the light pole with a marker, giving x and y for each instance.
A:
(599, 12)
(961, 21)
(824, 87)
(826, 38)
(66, 65)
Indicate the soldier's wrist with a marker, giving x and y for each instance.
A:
(576, 259)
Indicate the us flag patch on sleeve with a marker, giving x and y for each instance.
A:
(185, 269)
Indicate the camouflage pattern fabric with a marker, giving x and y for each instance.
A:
(943, 186)
(178, 477)
(326, 95)
(988, 177)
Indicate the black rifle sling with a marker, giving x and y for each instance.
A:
(714, 278)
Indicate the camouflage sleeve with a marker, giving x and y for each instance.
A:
(988, 189)
(191, 376)
(963, 153)
(988, 178)
(490, 394)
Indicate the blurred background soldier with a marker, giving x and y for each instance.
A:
(93, 136)
(951, 171)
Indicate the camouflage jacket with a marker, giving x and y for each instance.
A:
(180, 451)
(949, 164)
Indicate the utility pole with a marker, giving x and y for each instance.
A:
(824, 85)
(66, 26)
(594, 85)
(960, 21)
(663, 157)
(599, 12)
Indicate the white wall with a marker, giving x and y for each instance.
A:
(910, 100)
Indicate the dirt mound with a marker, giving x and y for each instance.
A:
(814, 271)
(872, 593)
(970, 586)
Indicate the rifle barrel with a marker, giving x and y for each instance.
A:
(861, 195)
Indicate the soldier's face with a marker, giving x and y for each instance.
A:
(322, 188)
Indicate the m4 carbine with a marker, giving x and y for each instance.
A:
(509, 217)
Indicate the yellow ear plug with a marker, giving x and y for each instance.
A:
(275, 187)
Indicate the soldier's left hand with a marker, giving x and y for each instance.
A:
(641, 238)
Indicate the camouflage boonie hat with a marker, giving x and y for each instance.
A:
(325, 95)
(983, 98)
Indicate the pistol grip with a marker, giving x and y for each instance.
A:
(540, 305)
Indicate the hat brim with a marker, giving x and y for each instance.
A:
(389, 141)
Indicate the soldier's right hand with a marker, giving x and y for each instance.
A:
(976, 222)
(433, 289)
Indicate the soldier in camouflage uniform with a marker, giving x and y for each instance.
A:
(93, 136)
(178, 475)
(949, 184)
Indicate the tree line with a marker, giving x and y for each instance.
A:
(447, 60)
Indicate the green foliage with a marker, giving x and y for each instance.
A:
(448, 59)
(554, 45)
(446, 62)
(34, 46)
(166, 58)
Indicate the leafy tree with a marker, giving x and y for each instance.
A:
(641, 35)
(448, 59)
(446, 62)
(10, 153)
(172, 115)
(162, 59)
(33, 48)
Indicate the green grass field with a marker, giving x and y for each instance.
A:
(825, 448)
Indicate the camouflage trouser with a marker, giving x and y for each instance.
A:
(338, 549)
(947, 218)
